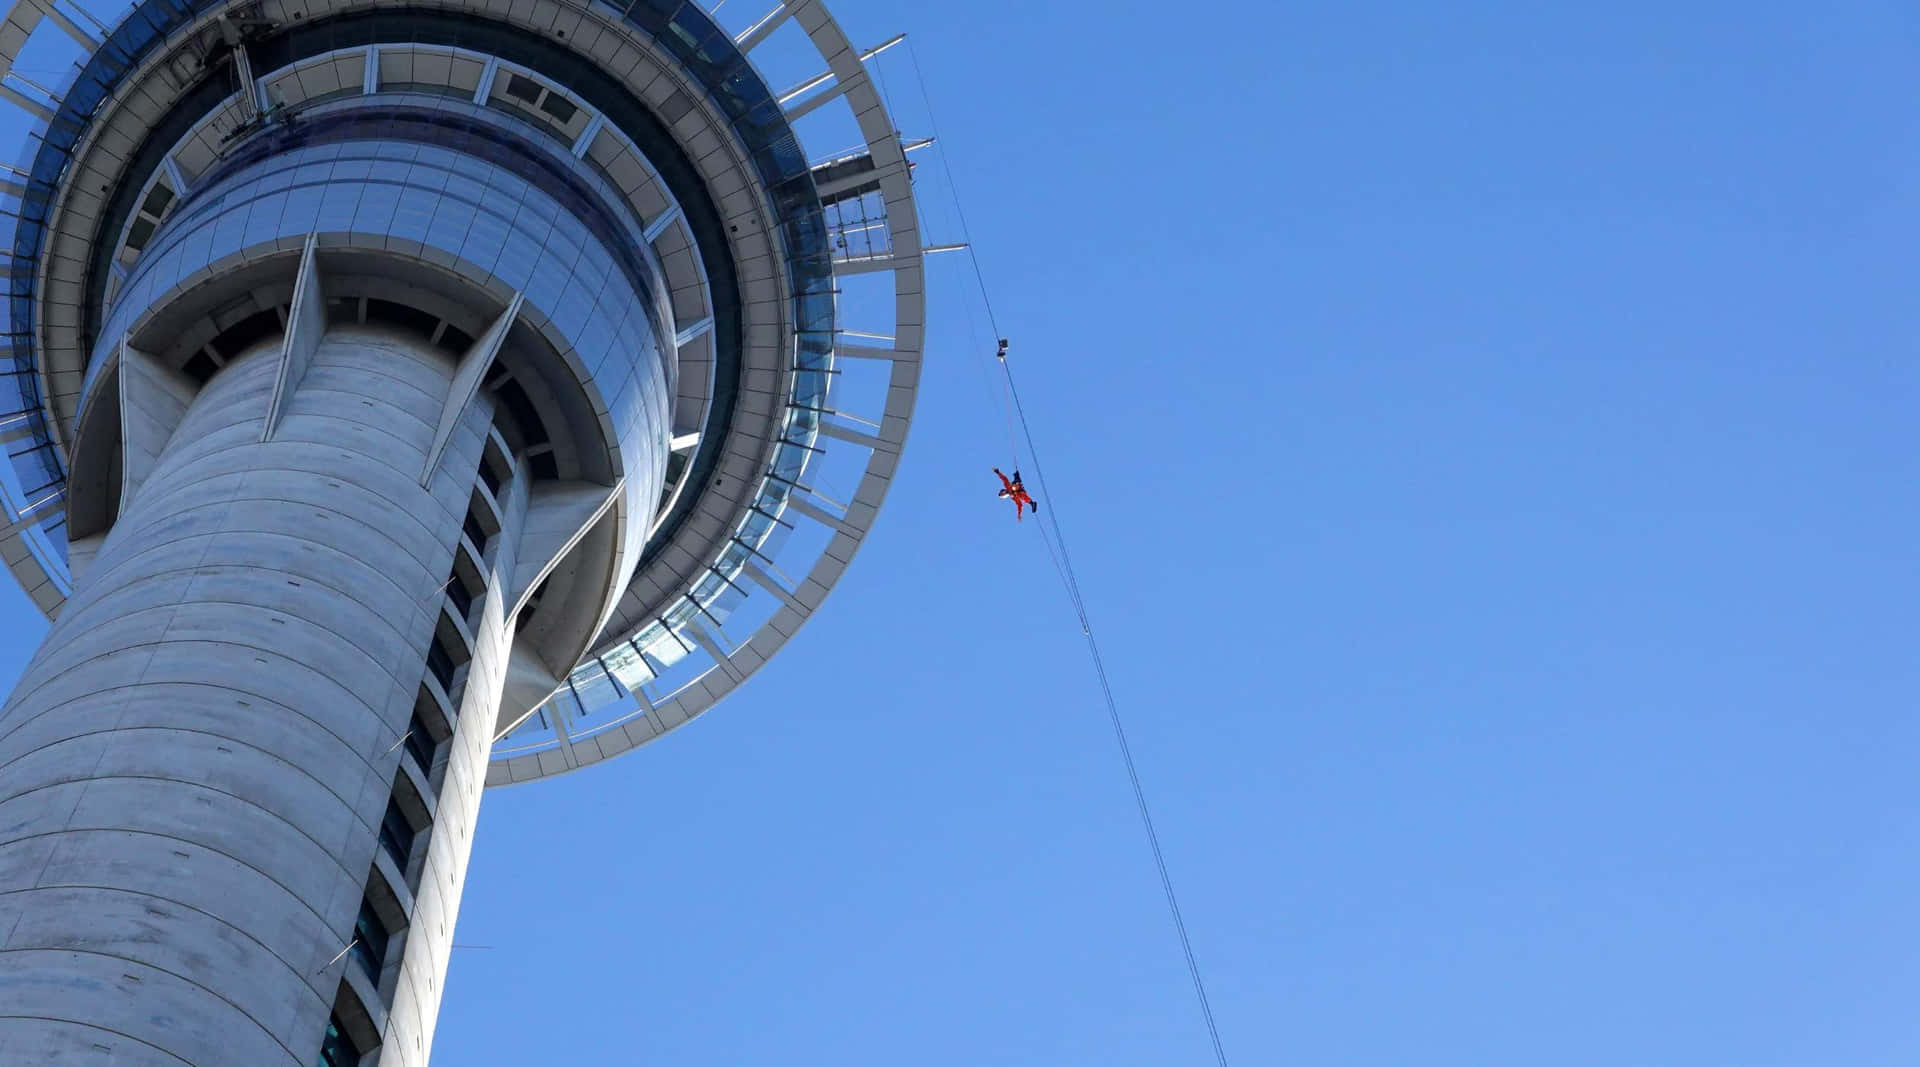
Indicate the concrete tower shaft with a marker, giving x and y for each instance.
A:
(400, 400)
(303, 587)
(197, 764)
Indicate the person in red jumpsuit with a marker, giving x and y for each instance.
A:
(1011, 489)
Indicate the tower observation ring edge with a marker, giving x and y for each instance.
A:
(31, 519)
(851, 84)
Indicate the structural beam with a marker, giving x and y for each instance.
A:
(757, 34)
(584, 142)
(712, 648)
(818, 100)
(855, 437)
(660, 223)
(25, 103)
(869, 352)
(487, 73)
(888, 261)
(175, 176)
(865, 265)
(562, 721)
(11, 530)
(73, 29)
(765, 581)
(836, 187)
(821, 79)
(693, 332)
(820, 515)
(882, 46)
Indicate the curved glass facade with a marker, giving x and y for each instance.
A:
(492, 223)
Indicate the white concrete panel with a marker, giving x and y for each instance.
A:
(153, 400)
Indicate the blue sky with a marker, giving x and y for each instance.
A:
(1485, 435)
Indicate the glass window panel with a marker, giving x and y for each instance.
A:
(302, 214)
(559, 107)
(229, 234)
(517, 262)
(440, 665)
(420, 743)
(375, 211)
(369, 940)
(468, 189)
(338, 205)
(652, 15)
(336, 1049)
(396, 835)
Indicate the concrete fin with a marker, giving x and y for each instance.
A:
(306, 322)
(558, 515)
(153, 400)
(528, 684)
(467, 377)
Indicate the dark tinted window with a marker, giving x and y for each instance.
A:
(523, 88)
(520, 409)
(489, 477)
(336, 1049)
(201, 367)
(558, 106)
(421, 743)
(396, 835)
(474, 532)
(441, 664)
(462, 600)
(455, 340)
(157, 201)
(370, 940)
(246, 333)
(408, 318)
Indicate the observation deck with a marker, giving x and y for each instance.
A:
(791, 399)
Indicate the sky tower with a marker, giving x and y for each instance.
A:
(401, 399)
